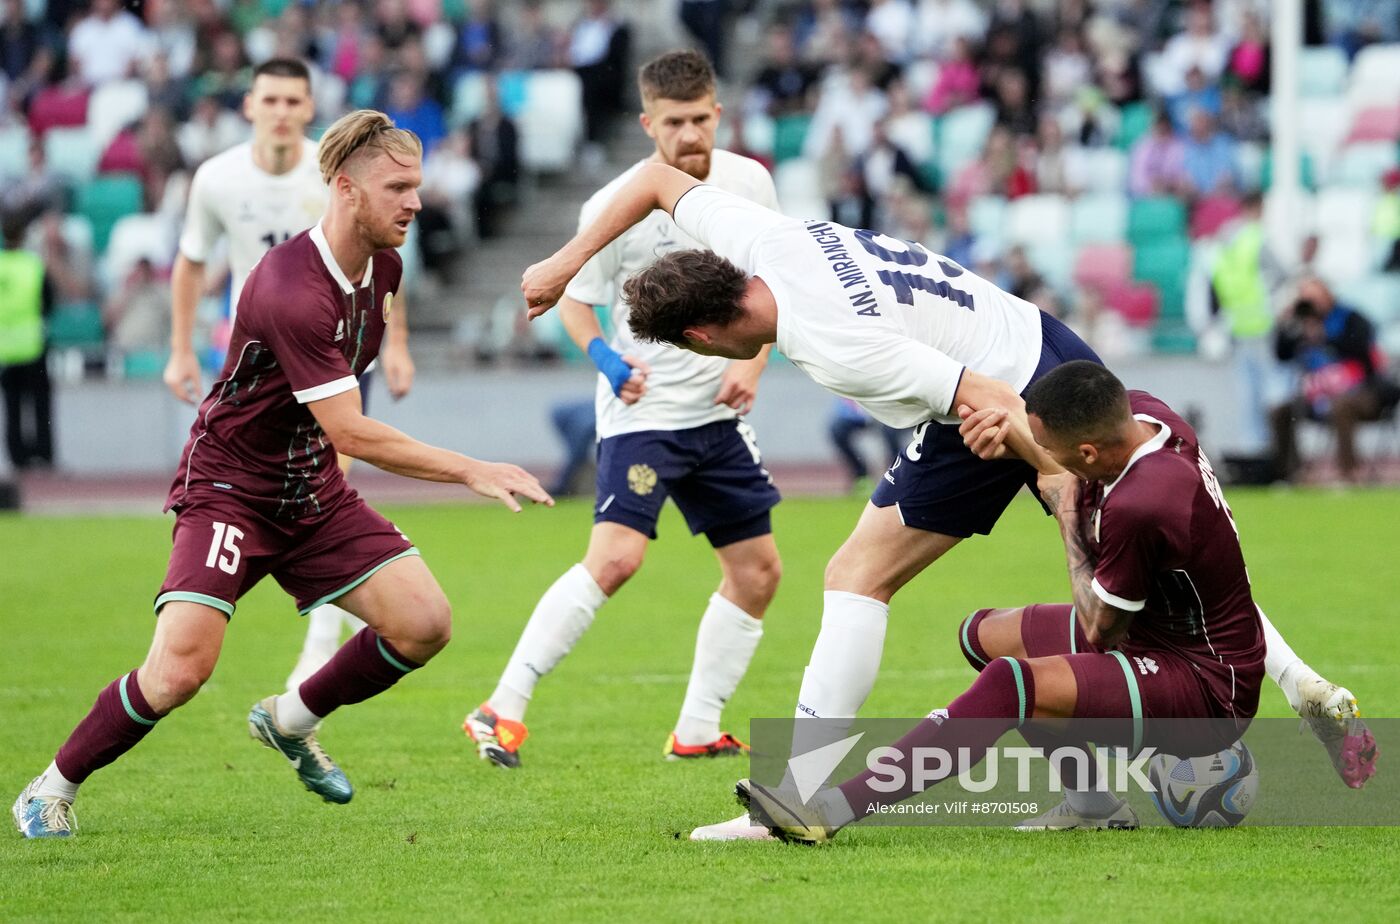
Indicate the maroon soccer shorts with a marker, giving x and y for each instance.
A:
(1146, 686)
(225, 542)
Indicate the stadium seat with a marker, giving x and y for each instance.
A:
(1054, 260)
(1322, 71)
(1307, 174)
(1107, 168)
(1171, 335)
(759, 132)
(1104, 266)
(1375, 123)
(1375, 76)
(962, 133)
(1348, 209)
(551, 124)
(1285, 221)
(1038, 218)
(798, 183)
(144, 364)
(1326, 120)
(76, 325)
(986, 216)
(104, 201)
(1163, 263)
(1249, 157)
(513, 91)
(71, 153)
(1213, 213)
(114, 106)
(1343, 258)
(1136, 120)
(1376, 295)
(134, 237)
(14, 151)
(468, 98)
(1155, 218)
(1362, 164)
(1096, 217)
(789, 134)
(1137, 303)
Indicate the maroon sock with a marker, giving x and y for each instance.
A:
(1001, 698)
(365, 666)
(969, 641)
(118, 720)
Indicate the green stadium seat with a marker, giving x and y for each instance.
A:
(1173, 336)
(76, 325)
(1155, 218)
(1164, 263)
(789, 132)
(1306, 171)
(144, 364)
(1134, 121)
(962, 133)
(107, 199)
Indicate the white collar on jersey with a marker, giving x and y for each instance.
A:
(1151, 446)
(323, 247)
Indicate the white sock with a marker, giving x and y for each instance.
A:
(323, 628)
(292, 716)
(1282, 663)
(834, 808)
(724, 646)
(54, 785)
(561, 617)
(842, 669)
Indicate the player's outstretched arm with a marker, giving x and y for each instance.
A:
(654, 186)
(182, 370)
(1002, 424)
(360, 437)
(626, 374)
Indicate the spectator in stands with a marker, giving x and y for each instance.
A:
(1354, 25)
(1157, 164)
(392, 24)
(228, 76)
(210, 130)
(536, 44)
(998, 172)
(60, 103)
(480, 41)
(451, 180)
(68, 267)
(1015, 108)
(1385, 223)
(137, 316)
(867, 54)
(1067, 68)
(1343, 383)
(343, 58)
(496, 149)
(886, 171)
(942, 23)
(1090, 120)
(909, 128)
(783, 82)
(599, 52)
(1248, 66)
(1016, 19)
(1059, 168)
(704, 20)
(1200, 47)
(26, 298)
(412, 109)
(1199, 94)
(39, 190)
(1209, 158)
(1240, 115)
(891, 23)
(163, 90)
(824, 30)
(21, 60)
(149, 149)
(171, 36)
(958, 81)
(850, 102)
(107, 44)
(959, 243)
(368, 88)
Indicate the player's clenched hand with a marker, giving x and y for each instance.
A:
(984, 431)
(1060, 493)
(543, 284)
(738, 387)
(636, 385)
(182, 376)
(504, 481)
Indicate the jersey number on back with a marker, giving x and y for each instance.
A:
(271, 239)
(904, 284)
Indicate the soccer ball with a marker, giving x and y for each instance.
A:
(1214, 791)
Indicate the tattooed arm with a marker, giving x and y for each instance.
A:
(1104, 624)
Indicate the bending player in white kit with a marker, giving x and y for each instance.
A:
(913, 338)
(668, 423)
(259, 194)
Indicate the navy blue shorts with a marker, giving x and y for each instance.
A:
(940, 485)
(712, 472)
(366, 379)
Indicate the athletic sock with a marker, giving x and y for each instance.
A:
(119, 719)
(365, 666)
(724, 646)
(323, 628)
(1079, 777)
(561, 617)
(1282, 663)
(54, 785)
(1002, 697)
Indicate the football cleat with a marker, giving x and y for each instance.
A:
(726, 745)
(314, 767)
(736, 829)
(1064, 818)
(43, 816)
(1331, 714)
(783, 815)
(497, 740)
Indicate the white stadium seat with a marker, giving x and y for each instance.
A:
(1038, 218)
(551, 124)
(798, 183)
(133, 237)
(72, 152)
(1099, 217)
(14, 151)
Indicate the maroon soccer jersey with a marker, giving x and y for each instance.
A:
(304, 332)
(1164, 545)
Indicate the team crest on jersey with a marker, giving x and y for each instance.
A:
(641, 479)
(388, 305)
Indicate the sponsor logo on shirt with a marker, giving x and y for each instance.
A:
(1145, 666)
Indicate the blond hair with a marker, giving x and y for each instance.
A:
(364, 131)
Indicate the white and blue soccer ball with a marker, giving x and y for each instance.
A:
(1214, 791)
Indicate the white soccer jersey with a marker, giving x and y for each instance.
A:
(682, 386)
(881, 321)
(231, 195)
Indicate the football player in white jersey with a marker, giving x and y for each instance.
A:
(258, 194)
(913, 338)
(669, 423)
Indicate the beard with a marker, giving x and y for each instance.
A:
(377, 233)
(694, 163)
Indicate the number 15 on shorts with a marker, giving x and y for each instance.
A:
(223, 550)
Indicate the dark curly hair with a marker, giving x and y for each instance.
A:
(683, 289)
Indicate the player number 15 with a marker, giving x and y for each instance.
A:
(223, 550)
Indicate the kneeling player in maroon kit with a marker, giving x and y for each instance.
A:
(1163, 625)
(258, 491)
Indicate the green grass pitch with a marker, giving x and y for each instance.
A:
(199, 823)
